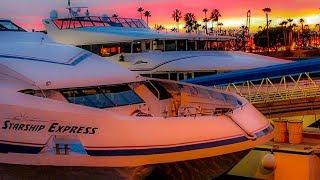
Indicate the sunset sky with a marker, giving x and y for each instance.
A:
(29, 13)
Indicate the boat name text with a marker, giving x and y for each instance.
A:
(53, 128)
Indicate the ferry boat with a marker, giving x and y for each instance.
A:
(166, 55)
(67, 109)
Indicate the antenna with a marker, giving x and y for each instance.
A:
(73, 10)
(248, 23)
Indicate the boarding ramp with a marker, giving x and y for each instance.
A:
(277, 91)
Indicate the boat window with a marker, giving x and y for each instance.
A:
(121, 95)
(125, 47)
(146, 75)
(191, 45)
(2, 27)
(173, 76)
(158, 45)
(181, 45)
(201, 45)
(181, 76)
(109, 50)
(189, 75)
(161, 76)
(136, 47)
(6, 25)
(102, 96)
(205, 73)
(87, 97)
(170, 45)
(95, 48)
(157, 89)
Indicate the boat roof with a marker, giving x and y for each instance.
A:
(195, 61)
(49, 65)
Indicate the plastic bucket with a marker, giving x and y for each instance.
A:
(295, 129)
(280, 131)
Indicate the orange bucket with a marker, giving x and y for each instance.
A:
(295, 129)
(280, 131)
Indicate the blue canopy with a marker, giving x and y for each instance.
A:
(312, 65)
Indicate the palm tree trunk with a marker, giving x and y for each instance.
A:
(178, 26)
(268, 38)
(212, 26)
(206, 27)
(284, 36)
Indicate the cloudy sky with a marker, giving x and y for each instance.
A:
(29, 13)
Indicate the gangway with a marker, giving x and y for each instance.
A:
(278, 90)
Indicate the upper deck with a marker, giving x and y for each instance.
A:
(97, 21)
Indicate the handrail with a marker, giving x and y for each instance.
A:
(271, 91)
(155, 88)
(248, 135)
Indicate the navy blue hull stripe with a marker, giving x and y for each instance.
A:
(129, 152)
(73, 63)
(5, 148)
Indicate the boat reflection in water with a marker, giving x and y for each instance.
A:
(68, 113)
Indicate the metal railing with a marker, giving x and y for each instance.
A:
(92, 21)
(266, 90)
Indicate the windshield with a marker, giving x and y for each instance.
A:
(6, 25)
(102, 96)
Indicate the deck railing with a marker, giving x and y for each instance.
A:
(97, 21)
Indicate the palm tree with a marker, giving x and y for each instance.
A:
(317, 33)
(242, 36)
(215, 15)
(189, 19)
(301, 21)
(205, 20)
(196, 26)
(159, 27)
(290, 30)
(174, 29)
(283, 24)
(290, 21)
(140, 10)
(176, 15)
(147, 14)
(267, 11)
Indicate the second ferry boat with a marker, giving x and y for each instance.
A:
(132, 44)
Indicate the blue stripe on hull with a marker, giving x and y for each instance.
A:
(6, 148)
(129, 152)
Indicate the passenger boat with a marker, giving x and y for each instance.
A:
(166, 55)
(67, 109)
